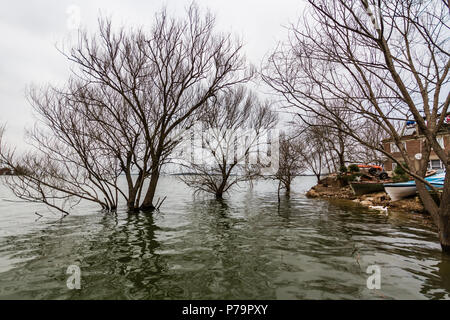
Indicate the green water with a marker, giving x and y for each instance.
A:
(245, 247)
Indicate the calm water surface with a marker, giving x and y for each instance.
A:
(245, 247)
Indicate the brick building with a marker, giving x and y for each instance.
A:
(413, 142)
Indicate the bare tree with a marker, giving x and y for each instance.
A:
(130, 94)
(291, 163)
(387, 62)
(372, 134)
(76, 158)
(314, 152)
(234, 130)
(337, 147)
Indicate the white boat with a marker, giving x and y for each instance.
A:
(400, 190)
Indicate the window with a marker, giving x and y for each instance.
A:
(435, 165)
(394, 147)
(394, 165)
(440, 140)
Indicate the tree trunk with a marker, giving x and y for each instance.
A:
(441, 213)
(147, 204)
(341, 160)
(278, 192)
(444, 217)
(219, 191)
(428, 201)
(219, 195)
(341, 151)
(221, 188)
(288, 188)
(131, 202)
(318, 177)
(444, 214)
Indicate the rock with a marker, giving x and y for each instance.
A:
(375, 199)
(408, 205)
(312, 194)
(378, 194)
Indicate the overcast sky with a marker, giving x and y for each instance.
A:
(31, 29)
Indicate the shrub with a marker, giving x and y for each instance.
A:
(352, 177)
(343, 169)
(400, 175)
(400, 178)
(399, 170)
(353, 168)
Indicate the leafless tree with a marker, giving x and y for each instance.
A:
(291, 163)
(234, 133)
(130, 94)
(387, 62)
(372, 134)
(76, 158)
(338, 148)
(314, 151)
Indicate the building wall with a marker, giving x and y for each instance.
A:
(413, 146)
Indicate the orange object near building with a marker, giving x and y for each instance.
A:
(368, 166)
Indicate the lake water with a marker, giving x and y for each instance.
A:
(246, 247)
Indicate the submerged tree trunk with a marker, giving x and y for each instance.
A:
(288, 191)
(221, 188)
(147, 204)
(131, 203)
(287, 186)
(278, 192)
(219, 195)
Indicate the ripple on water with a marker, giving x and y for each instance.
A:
(247, 247)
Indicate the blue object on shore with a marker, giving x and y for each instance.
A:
(437, 180)
(401, 190)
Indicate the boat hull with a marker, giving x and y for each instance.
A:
(365, 188)
(402, 190)
(399, 192)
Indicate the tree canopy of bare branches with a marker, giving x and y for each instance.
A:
(234, 131)
(385, 62)
(131, 91)
(292, 162)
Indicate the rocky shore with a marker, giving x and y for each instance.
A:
(330, 188)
